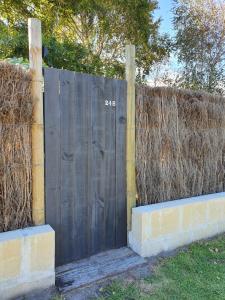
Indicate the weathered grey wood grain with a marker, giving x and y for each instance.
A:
(85, 162)
(121, 208)
(97, 163)
(83, 210)
(52, 153)
(95, 268)
(68, 171)
(110, 165)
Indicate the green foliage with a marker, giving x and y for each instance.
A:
(58, 297)
(13, 43)
(198, 273)
(19, 61)
(118, 291)
(85, 35)
(200, 43)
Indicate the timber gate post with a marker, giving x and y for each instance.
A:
(35, 59)
(130, 152)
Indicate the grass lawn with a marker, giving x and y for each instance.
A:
(197, 273)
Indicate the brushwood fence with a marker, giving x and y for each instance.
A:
(180, 144)
(15, 147)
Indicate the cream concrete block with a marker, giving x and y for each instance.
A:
(185, 238)
(170, 221)
(165, 226)
(171, 243)
(206, 231)
(151, 247)
(221, 226)
(10, 259)
(134, 244)
(187, 217)
(26, 261)
(146, 227)
(155, 223)
(177, 240)
(221, 204)
(216, 211)
(23, 288)
(165, 221)
(42, 252)
(137, 226)
(212, 230)
(141, 226)
(154, 247)
(200, 233)
(193, 215)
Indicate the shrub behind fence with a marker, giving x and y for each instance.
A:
(15, 147)
(180, 144)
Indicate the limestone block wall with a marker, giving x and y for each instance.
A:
(27, 260)
(165, 226)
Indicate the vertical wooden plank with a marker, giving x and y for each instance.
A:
(82, 204)
(68, 169)
(91, 211)
(52, 155)
(109, 175)
(96, 161)
(130, 161)
(35, 59)
(96, 156)
(121, 208)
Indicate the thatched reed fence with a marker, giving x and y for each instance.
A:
(180, 144)
(15, 147)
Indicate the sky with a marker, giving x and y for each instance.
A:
(166, 26)
(164, 12)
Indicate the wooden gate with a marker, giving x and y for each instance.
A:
(85, 125)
